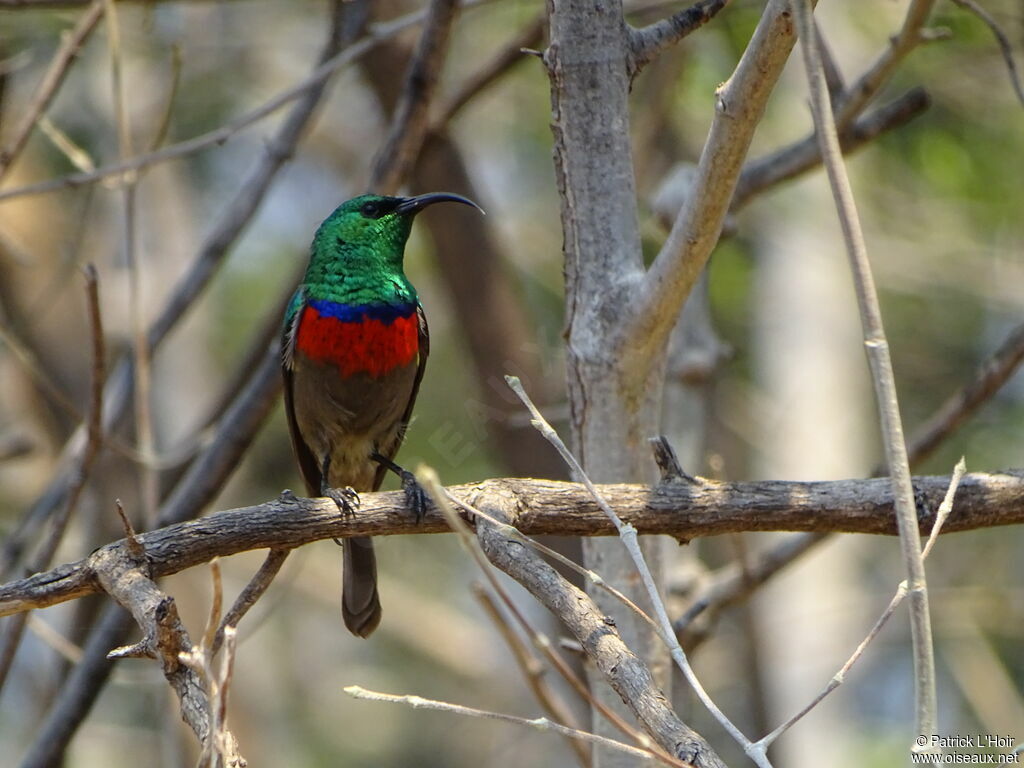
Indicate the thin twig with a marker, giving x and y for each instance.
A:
(540, 723)
(628, 535)
(877, 348)
(871, 81)
(216, 605)
(409, 123)
(51, 82)
(901, 592)
(229, 130)
(444, 500)
(15, 628)
(532, 670)
(149, 481)
(1002, 39)
(481, 77)
(253, 591)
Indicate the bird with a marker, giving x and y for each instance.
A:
(354, 348)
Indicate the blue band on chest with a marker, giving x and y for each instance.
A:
(354, 313)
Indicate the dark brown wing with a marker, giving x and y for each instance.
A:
(424, 350)
(308, 465)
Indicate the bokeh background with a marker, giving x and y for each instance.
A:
(942, 202)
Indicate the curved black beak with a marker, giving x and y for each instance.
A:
(418, 203)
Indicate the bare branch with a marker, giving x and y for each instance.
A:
(253, 591)
(313, 82)
(544, 507)
(94, 442)
(164, 636)
(528, 37)
(541, 723)
(409, 124)
(877, 348)
(1004, 43)
(646, 43)
(911, 35)
(600, 640)
(51, 82)
(796, 159)
(739, 105)
(533, 672)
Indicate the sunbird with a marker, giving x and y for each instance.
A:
(354, 348)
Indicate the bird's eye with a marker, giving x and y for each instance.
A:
(372, 210)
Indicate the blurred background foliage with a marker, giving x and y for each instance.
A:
(941, 200)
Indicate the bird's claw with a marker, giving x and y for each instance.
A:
(346, 498)
(415, 496)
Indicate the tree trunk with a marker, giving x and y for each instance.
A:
(611, 416)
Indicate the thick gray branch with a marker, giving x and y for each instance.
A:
(597, 634)
(679, 509)
(739, 105)
(122, 573)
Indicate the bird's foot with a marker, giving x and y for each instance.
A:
(346, 498)
(415, 495)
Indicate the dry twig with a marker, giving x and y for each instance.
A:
(877, 348)
(15, 628)
(540, 723)
(409, 125)
(532, 670)
(51, 82)
(628, 534)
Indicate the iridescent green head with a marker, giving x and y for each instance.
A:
(357, 252)
(371, 230)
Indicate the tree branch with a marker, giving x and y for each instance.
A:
(646, 43)
(313, 82)
(739, 105)
(678, 509)
(804, 155)
(124, 575)
(1005, 48)
(51, 82)
(596, 633)
(877, 348)
(410, 122)
(856, 97)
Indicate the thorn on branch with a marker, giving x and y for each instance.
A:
(668, 463)
(135, 547)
